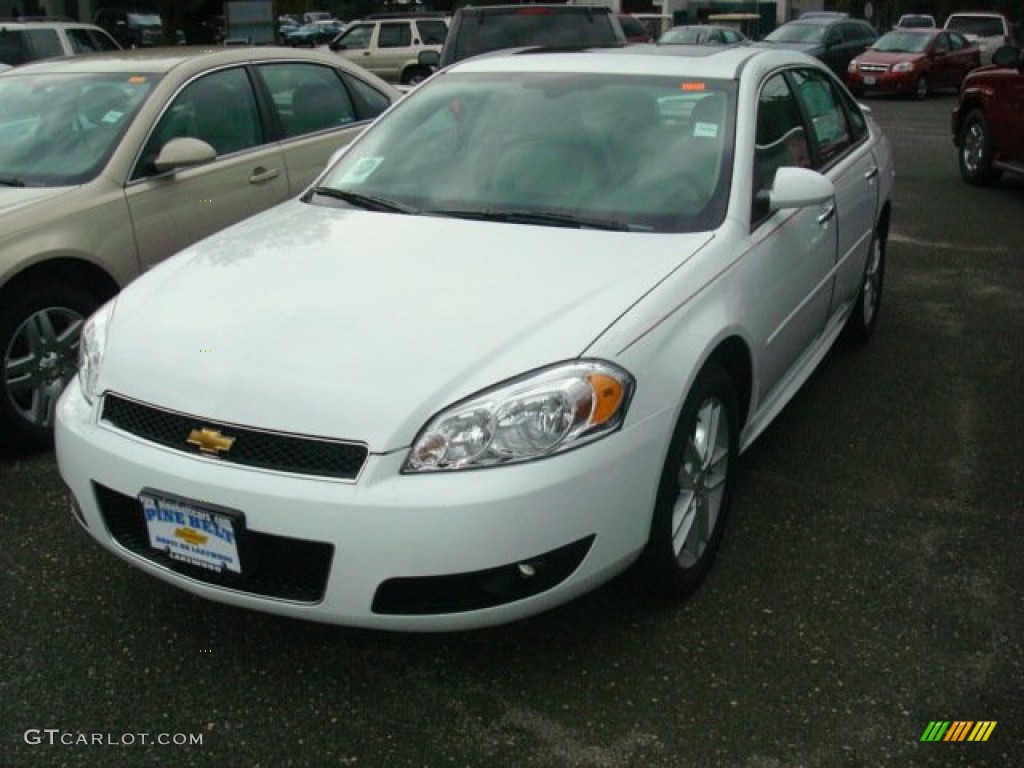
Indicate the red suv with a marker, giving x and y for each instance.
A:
(988, 120)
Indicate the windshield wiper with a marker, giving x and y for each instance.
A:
(10, 181)
(543, 218)
(369, 202)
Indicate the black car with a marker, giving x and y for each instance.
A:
(835, 39)
(482, 29)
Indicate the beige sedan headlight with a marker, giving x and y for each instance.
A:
(544, 412)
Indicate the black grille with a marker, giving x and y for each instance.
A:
(252, 447)
(273, 566)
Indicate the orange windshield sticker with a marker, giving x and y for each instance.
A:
(691, 86)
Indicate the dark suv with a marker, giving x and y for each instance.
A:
(132, 28)
(988, 119)
(476, 30)
(833, 38)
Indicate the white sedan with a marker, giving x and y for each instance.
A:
(508, 345)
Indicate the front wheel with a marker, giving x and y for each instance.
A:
(415, 75)
(40, 324)
(922, 89)
(695, 488)
(976, 150)
(864, 317)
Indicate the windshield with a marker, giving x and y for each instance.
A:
(797, 33)
(144, 19)
(687, 36)
(648, 154)
(60, 130)
(982, 26)
(916, 21)
(902, 42)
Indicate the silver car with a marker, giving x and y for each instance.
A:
(112, 162)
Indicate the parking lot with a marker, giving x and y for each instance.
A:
(869, 582)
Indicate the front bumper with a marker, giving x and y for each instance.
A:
(881, 82)
(432, 552)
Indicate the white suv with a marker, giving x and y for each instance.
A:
(25, 41)
(988, 30)
(389, 46)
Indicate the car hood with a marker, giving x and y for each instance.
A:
(888, 57)
(360, 325)
(13, 198)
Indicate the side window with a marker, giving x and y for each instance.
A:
(88, 41)
(44, 43)
(357, 38)
(432, 32)
(780, 141)
(833, 36)
(956, 42)
(308, 97)
(942, 43)
(828, 119)
(371, 101)
(394, 35)
(219, 108)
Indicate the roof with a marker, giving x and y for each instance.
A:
(712, 62)
(163, 60)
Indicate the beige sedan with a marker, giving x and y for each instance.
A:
(112, 162)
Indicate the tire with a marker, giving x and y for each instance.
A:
(975, 150)
(415, 75)
(860, 325)
(922, 88)
(40, 323)
(695, 488)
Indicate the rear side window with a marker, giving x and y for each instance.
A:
(825, 110)
(394, 35)
(308, 98)
(432, 32)
(89, 41)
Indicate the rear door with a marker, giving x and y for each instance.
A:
(841, 151)
(319, 109)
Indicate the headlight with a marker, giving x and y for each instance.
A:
(853, 66)
(544, 412)
(91, 346)
(903, 66)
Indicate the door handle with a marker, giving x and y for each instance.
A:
(871, 174)
(826, 214)
(261, 175)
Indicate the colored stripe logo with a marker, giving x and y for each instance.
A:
(958, 730)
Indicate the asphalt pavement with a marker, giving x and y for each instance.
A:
(870, 582)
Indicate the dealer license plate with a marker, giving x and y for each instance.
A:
(869, 80)
(191, 533)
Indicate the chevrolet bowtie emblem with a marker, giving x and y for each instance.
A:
(210, 441)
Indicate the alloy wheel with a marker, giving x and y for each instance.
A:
(40, 360)
(702, 483)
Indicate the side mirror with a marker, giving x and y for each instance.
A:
(1008, 56)
(799, 188)
(336, 46)
(429, 59)
(183, 153)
